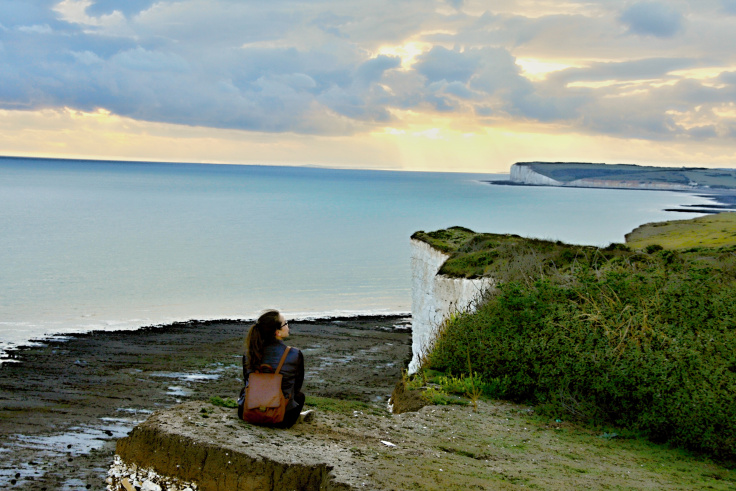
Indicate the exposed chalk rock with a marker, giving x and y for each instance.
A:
(524, 174)
(434, 296)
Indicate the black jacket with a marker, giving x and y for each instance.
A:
(292, 370)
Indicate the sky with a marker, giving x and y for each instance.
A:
(451, 85)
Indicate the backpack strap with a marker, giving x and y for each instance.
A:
(283, 359)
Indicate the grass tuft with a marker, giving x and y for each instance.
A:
(227, 402)
(343, 406)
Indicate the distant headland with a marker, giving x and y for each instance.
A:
(624, 176)
(718, 184)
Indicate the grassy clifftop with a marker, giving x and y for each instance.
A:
(506, 256)
(642, 339)
(709, 231)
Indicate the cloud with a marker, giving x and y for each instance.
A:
(372, 70)
(488, 75)
(36, 29)
(334, 68)
(140, 60)
(458, 89)
(86, 57)
(702, 132)
(728, 77)
(620, 71)
(652, 19)
(686, 109)
(127, 8)
(728, 6)
(445, 64)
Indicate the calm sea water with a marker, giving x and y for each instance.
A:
(102, 245)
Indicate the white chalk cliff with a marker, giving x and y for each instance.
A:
(525, 174)
(436, 296)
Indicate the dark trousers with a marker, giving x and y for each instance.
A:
(292, 415)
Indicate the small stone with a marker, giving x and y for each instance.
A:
(149, 485)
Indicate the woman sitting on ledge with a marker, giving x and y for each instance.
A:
(264, 345)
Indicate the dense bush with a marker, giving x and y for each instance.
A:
(647, 342)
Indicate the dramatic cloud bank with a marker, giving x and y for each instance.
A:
(651, 70)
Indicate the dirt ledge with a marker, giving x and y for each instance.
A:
(499, 446)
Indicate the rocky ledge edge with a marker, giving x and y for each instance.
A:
(199, 446)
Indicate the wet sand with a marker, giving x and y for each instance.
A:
(64, 404)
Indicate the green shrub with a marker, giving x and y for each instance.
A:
(647, 343)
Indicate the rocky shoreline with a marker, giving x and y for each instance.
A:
(64, 404)
(723, 199)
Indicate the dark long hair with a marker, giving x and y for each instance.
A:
(260, 335)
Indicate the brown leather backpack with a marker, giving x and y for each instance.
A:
(264, 400)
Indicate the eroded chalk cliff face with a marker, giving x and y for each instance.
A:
(435, 296)
(524, 174)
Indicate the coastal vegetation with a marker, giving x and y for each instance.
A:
(643, 339)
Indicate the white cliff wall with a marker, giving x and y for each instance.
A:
(435, 296)
(524, 174)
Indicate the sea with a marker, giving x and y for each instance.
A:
(98, 245)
